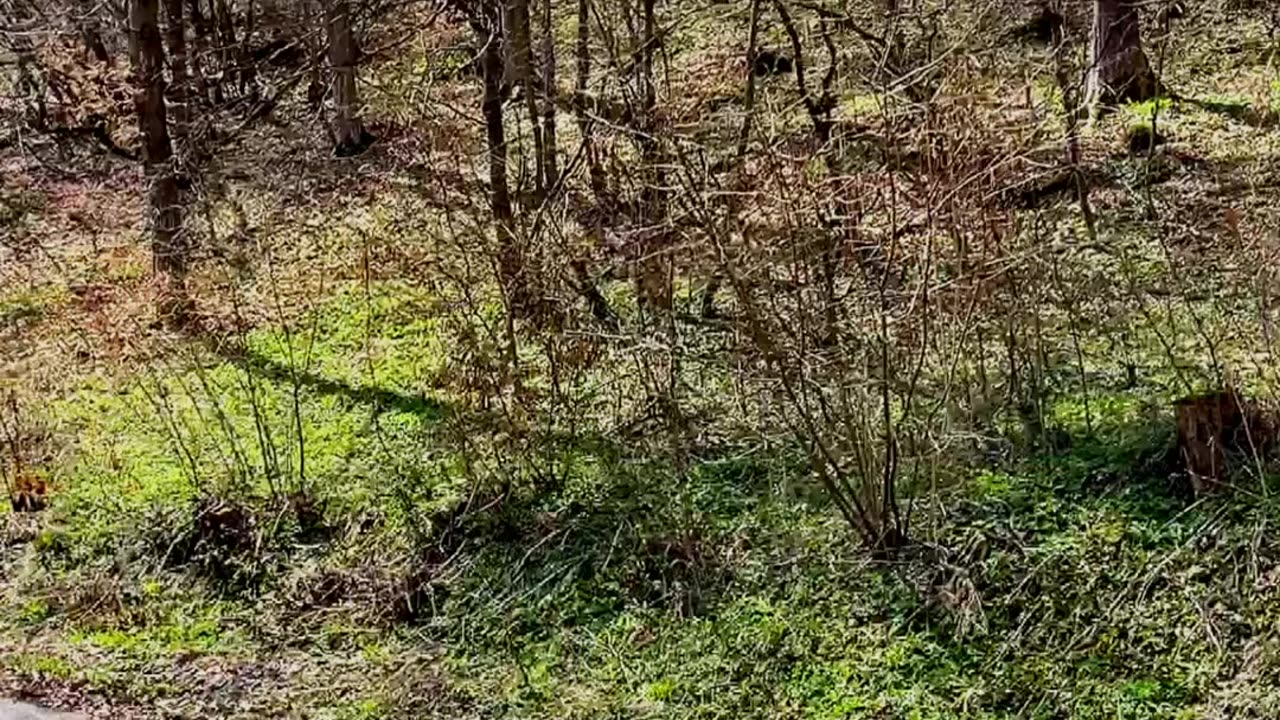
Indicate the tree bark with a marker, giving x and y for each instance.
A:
(510, 254)
(582, 85)
(91, 32)
(200, 48)
(550, 163)
(654, 272)
(522, 70)
(225, 30)
(169, 251)
(315, 87)
(179, 90)
(1118, 68)
(349, 136)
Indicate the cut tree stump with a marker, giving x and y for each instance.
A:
(1216, 430)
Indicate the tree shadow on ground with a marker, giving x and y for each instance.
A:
(1240, 111)
(611, 534)
(383, 399)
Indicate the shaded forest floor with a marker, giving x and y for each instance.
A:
(257, 517)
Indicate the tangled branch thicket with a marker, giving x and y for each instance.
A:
(884, 288)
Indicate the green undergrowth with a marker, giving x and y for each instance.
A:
(302, 493)
(284, 417)
(1086, 591)
(21, 306)
(1079, 582)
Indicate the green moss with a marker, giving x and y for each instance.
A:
(361, 709)
(34, 611)
(1143, 112)
(170, 627)
(30, 305)
(42, 666)
(855, 106)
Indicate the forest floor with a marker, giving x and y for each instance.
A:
(192, 564)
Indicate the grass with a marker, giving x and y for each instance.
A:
(820, 640)
(1092, 593)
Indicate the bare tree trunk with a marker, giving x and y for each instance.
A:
(749, 96)
(550, 164)
(179, 91)
(1118, 68)
(654, 273)
(224, 24)
(248, 70)
(599, 186)
(315, 87)
(349, 137)
(510, 254)
(91, 32)
(30, 87)
(522, 69)
(200, 49)
(169, 251)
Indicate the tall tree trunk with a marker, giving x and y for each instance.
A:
(200, 50)
(510, 253)
(582, 88)
(654, 272)
(1118, 68)
(315, 87)
(91, 31)
(348, 132)
(169, 251)
(225, 26)
(749, 95)
(248, 70)
(179, 91)
(522, 69)
(550, 164)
